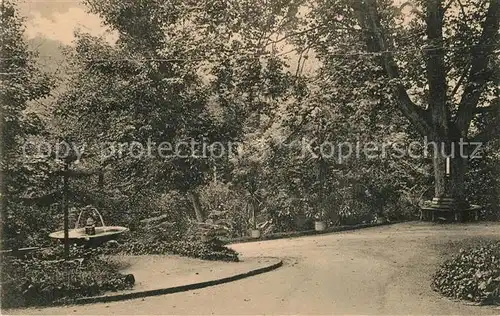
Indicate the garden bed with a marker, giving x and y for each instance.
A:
(45, 278)
(192, 247)
(472, 272)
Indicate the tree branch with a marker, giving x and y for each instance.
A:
(462, 8)
(492, 130)
(371, 20)
(477, 77)
(435, 68)
(460, 80)
(292, 34)
(488, 109)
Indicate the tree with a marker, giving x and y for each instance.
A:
(441, 66)
(21, 82)
(180, 71)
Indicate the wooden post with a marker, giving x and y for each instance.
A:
(65, 209)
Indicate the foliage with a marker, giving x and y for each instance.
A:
(226, 206)
(472, 274)
(484, 186)
(193, 247)
(45, 279)
(215, 71)
(28, 225)
(26, 182)
(406, 58)
(171, 89)
(174, 87)
(189, 239)
(55, 253)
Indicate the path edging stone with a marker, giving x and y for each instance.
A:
(332, 229)
(176, 289)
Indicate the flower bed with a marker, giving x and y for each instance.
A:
(157, 239)
(192, 247)
(472, 274)
(45, 278)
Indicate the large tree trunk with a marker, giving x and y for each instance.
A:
(457, 185)
(453, 185)
(440, 183)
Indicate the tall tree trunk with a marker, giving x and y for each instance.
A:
(457, 185)
(198, 210)
(440, 183)
(453, 185)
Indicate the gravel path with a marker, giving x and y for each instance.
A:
(382, 270)
(158, 272)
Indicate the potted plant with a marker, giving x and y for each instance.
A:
(380, 219)
(254, 231)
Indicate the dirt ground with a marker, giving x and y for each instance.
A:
(381, 270)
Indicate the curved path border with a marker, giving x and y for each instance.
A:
(182, 288)
(294, 234)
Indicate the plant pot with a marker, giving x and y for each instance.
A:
(319, 226)
(255, 233)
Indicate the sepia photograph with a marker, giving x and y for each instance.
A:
(250, 157)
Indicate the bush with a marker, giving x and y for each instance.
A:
(473, 274)
(27, 225)
(190, 247)
(167, 238)
(226, 206)
(38, 281)
(483, 185)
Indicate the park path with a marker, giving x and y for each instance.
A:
(381, 270)
(155, 272)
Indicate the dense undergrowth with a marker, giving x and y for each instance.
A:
(45, 278)
(208, 250)
(156, 240)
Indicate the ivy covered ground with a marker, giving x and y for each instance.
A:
(472, 273)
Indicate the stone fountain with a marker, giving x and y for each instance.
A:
(81, 235)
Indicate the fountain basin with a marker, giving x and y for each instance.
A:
(102, 234)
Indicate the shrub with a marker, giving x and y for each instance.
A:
(57, 253)
(483, 185)
(167, 238)
(473, 274)
(189, 247)
(39, 281)
(226, 206)
(27, 225)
